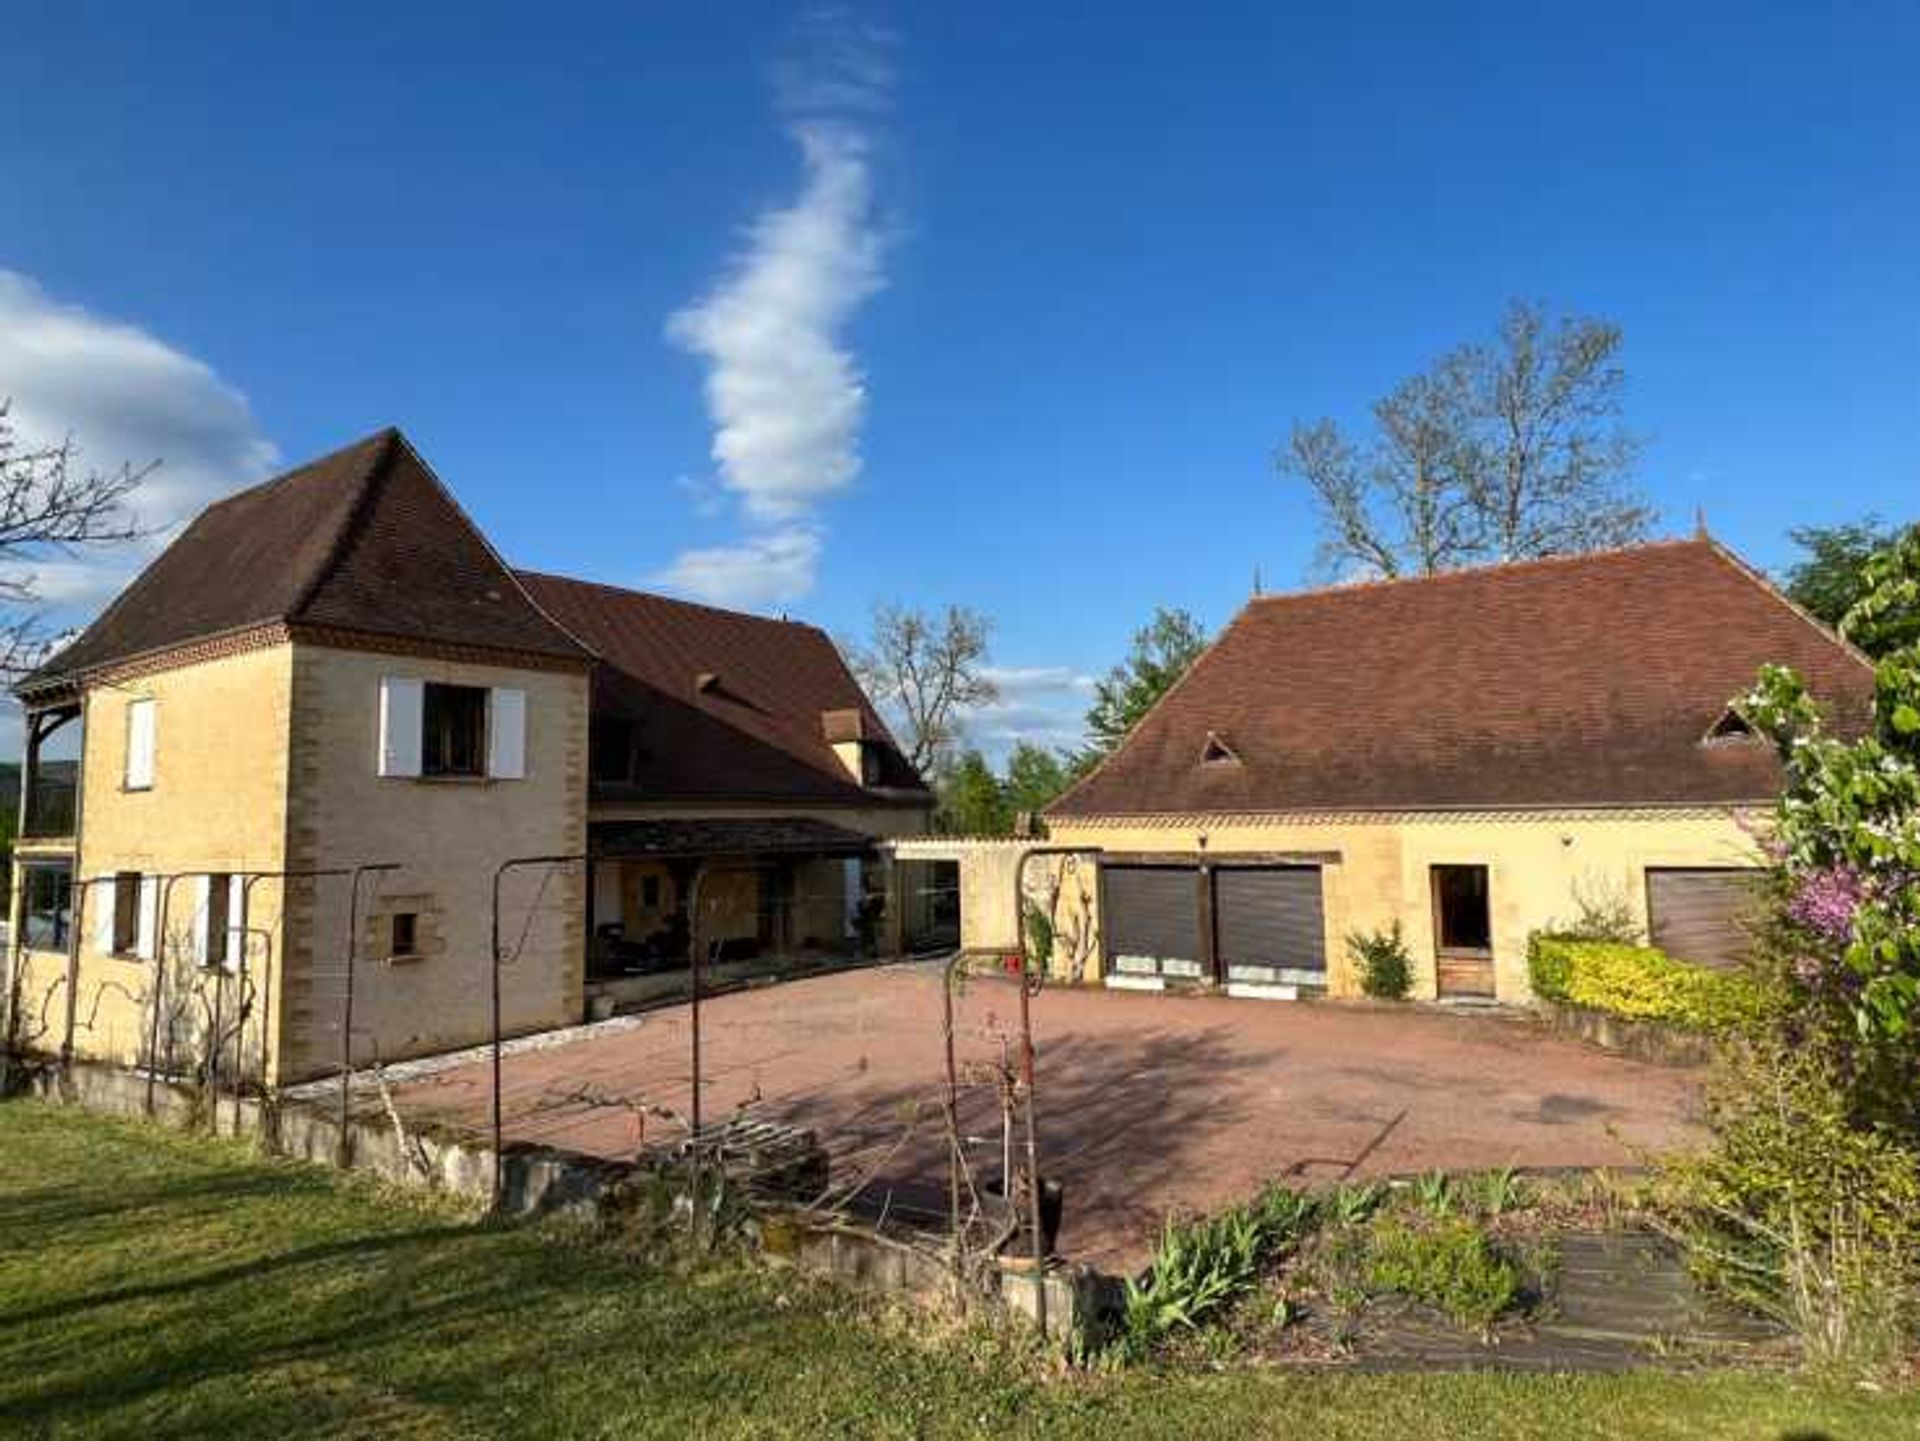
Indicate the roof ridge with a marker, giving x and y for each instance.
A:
(665, 599)
(1759, 578)
(486, 544)
(380, 445)
(1496, 567)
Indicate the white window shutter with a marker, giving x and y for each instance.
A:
(149, 917)
(139, 744)
(104, 897)
(236, 921)
(401, 717)
(507, 735)
(202, 890)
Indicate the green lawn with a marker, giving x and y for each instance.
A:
(155, 1284)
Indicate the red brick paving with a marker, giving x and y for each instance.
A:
(1147, 1102)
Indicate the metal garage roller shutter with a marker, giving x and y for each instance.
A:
(1270, 925)
(1700, 915)
(1153, 920)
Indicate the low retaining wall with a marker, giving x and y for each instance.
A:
(1654, 1041)
(541, 1180)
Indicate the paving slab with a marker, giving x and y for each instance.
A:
(1147, 1103)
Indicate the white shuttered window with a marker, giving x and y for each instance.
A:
(414, 714)
(139, 775)
(400, 721)
(507, 735)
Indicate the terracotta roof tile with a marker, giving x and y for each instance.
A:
(1577, 681)
(758, 731)
(365, 539)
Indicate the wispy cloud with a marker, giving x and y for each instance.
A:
(770, 568)
(125, 397)
(787, 397)
(1043, 706)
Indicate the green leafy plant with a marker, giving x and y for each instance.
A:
(1494, 1193)
(1449, 1265)
(1352, 1204)
(1641, 983)
(1804, 1214)
(1204, 1265)
(1384, 964)
(1434, 1191)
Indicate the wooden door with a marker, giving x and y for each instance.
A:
(1463, 932)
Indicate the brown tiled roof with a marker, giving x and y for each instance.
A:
(1577, 681)
(709, 836)
(364, 540)
(723, 706)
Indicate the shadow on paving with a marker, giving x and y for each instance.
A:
(1114, 1122)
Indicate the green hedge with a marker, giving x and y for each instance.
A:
(1640, 983)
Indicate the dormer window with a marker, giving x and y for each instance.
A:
(1731, 729)
(1218, 751)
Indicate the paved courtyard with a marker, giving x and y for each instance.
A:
(1146, 1103)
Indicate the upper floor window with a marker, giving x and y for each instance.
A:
(614, 750)
(453, 738)
(452, 731)
(139, 772)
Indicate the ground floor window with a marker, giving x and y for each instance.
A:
(47, 908)
(219, 889)
(126, 912)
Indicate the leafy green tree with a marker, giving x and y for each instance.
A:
(1161, 653)
(1034, 778)
(1846, 842)
(971, 801)
(1830, 580)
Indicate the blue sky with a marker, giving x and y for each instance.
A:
(1003, 305)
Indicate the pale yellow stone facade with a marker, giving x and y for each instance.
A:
(448, 837)
(265, 762)
(1377, 867)
(217, 804)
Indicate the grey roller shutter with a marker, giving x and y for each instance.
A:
(1153, 920)
(1701, 915)
(1270, 923)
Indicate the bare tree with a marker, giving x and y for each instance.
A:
(927, 669)
(1495, 452)
(49, 504)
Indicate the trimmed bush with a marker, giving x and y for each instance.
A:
(1384, 964)
(1640, 983)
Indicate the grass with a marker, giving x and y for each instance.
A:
(154, 1284)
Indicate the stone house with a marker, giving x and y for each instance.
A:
(1472, 756)
(300, 746)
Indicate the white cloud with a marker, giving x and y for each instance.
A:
(1039, 705)
(786, 396)
(127, 398)
(766, 569)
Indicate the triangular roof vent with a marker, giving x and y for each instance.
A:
(1218, 751)
(1731, 729)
